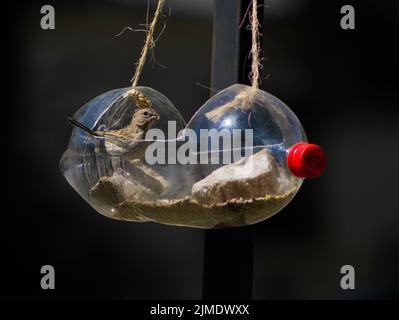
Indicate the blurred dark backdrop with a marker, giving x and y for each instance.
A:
(342, 85)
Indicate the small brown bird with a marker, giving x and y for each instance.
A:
(123, 145)
(141, 122)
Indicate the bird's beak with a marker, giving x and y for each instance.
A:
(155, 117)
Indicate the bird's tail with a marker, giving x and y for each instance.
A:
(83, 127)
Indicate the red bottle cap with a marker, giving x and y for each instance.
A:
(306, 160)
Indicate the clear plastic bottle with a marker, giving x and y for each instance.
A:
(245, 155)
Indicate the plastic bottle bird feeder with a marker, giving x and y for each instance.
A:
(248, 167)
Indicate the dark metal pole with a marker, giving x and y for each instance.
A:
(228, 257)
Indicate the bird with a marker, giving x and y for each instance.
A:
(127, 142)
(142, 121)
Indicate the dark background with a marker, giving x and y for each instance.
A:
(341, 84)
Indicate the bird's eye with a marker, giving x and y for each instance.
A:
(145, 113)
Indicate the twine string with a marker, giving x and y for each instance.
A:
(256, 47)
(148, 44)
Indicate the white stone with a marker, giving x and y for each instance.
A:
(251, 177)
